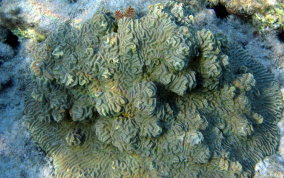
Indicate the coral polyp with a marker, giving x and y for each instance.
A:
(153, 96)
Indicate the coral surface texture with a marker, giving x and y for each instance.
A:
(150, 96)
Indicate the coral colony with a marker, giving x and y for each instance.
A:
(152, 96)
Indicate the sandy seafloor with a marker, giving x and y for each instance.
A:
(21, 157)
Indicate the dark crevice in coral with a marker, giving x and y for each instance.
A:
(7, 84)
(280, 36)
(68, 115)
(199, 82)
(72, 1)
(12, 40)
(194, 67)
(115, 27)
(165, 95)
(220, 11)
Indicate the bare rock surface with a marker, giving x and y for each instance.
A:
(19, 155)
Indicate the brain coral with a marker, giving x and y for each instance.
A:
(152, 97)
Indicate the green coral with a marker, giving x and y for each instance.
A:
(261, 13)
(29, 33)
(242, 7)
(150, 97)
(272, 18)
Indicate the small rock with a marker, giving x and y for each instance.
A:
(6, 51)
